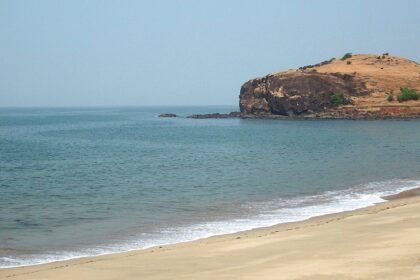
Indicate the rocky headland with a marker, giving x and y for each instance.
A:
(362, 86)
(355, 86)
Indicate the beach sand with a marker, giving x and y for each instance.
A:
(379, 242)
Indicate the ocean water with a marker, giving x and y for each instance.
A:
(87, 181)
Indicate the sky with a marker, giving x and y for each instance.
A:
(186, 52)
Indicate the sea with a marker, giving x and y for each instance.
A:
(78, 182)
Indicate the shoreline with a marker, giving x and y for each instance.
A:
(325, 116)
(400, 200)
(336, 203)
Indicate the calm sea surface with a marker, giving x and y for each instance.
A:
(78, 182)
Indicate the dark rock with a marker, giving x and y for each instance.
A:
(168, 115)
(216, 116)
(296, 93)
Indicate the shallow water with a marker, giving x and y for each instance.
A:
(86, 181)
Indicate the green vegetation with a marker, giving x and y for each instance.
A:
(385, 53)
(348, 62)
(346, 56)
(332, 59)
(337, 99)
(408, 94)
(390, 98)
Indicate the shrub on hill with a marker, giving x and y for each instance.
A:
(390, 98)
(337, 99)
(408, 94)
(346, 56)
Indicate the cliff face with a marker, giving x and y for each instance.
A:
(362, 84)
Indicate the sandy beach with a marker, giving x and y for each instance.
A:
(378, 242)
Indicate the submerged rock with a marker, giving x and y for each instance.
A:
(216, 116)
(168, 115)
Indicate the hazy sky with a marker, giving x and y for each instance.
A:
(92, 53)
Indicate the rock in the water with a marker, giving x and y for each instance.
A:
(216, 116)
(168, 115)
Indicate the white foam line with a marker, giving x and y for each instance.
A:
(333, 202)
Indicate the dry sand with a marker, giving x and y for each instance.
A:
(379, 242)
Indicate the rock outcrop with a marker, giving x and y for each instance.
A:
(362, 83)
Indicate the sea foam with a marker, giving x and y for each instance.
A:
(268, 213)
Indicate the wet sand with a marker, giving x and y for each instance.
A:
(378, 242)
